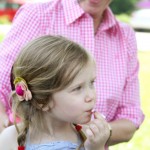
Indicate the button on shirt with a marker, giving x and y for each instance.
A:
(113, 47)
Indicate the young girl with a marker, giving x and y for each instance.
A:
(54, 92)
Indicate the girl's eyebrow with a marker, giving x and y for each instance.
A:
(76, 84)
(80, 83)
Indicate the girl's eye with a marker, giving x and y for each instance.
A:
(92, 83)
(77, 88)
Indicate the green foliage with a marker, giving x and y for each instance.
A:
(1, 37)
(123, 6)
(123, 18)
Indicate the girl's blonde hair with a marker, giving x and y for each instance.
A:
(48, 64)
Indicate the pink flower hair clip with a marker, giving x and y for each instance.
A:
(22, 89)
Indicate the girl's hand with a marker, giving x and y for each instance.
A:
(97, 132)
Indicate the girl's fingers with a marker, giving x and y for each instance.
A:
(101, 120)
(89, 134)
(99, 116)
(90, 131)
(95, 130)
(101, 124)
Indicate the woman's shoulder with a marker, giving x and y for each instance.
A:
(8, 138)
(40, 7)
(125, 28)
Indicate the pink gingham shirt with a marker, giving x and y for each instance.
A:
(113, 46)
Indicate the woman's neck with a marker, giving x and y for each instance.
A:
(96, 11)
(97, 21)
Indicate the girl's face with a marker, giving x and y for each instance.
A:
(75, 103)
(94, 7)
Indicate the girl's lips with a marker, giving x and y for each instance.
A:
(90, 111)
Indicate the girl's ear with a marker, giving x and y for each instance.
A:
(48, 106)
(43, 108)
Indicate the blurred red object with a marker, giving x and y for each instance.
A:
(8, 10)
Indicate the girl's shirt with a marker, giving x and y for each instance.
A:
(56, 145)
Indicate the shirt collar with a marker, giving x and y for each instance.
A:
(72, 10)
(109, 20)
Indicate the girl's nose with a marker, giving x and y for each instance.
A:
(90, 95)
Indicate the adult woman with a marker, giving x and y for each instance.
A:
(92, 24)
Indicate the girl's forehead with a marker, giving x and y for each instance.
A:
(87, 72)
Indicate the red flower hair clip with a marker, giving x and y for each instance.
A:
(22, 89)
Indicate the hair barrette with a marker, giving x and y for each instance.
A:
(79, 129)
(21, 148)
(22, 89)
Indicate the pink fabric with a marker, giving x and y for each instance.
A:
(114, 48)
